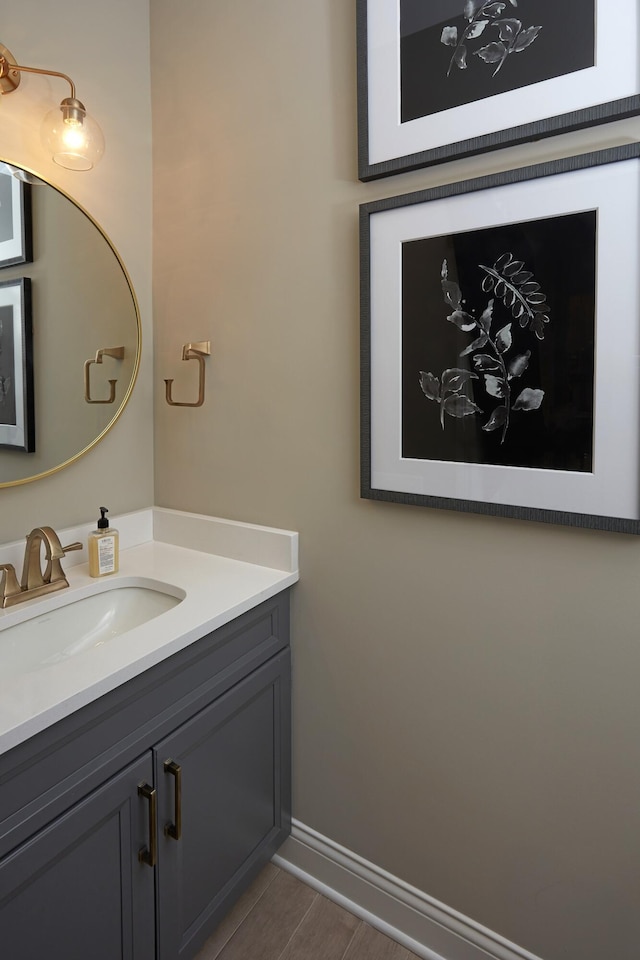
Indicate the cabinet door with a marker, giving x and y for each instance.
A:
(233, 768)
(76, 889)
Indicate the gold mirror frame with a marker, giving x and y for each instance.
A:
(136, 364)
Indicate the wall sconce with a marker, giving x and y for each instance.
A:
(73, 138)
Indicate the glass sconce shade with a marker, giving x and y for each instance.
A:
(73, 138)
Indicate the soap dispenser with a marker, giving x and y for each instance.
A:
(103, 548)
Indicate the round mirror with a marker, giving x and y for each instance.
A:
(69, 329)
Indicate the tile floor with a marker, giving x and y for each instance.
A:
(280, 918)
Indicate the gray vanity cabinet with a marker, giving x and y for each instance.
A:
(76, 889)
(128, 829)
(230, 765)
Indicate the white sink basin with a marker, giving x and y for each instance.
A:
(76, 627)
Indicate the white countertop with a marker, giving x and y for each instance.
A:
(217, 588)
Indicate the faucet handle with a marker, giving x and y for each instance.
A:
(76, 545)
(9, 587)
(54, 569)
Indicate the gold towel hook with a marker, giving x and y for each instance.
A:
(118, 354)
(192, 351)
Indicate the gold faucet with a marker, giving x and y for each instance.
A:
(34, 582)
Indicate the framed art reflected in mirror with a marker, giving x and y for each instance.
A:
(15, 221)
(17, 426)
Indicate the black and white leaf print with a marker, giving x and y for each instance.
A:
(430, 386)
(508, 30)
(450, 289)
(537, 325)
(455, 378)
(471, 7)
(460, 57)
(519, 364)
(457, 405)
(478, 344)
(463, 321)
(496, 420)
(449, 36)
(526, 38)
(512, 37)
(494, 52)
(513, 268)
(476, 29)
(503, 261)
(487, 317)
(495, 9)
(483, 361)
(504, 339)
(521, 297)
(495, 386)
(529, 399)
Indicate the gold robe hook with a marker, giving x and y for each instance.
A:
(192, 351)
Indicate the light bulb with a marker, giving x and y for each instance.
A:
(73, 138)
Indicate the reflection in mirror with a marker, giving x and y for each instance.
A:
(82, 306)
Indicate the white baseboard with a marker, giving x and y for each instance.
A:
(423, 925)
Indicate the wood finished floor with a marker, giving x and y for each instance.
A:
(280, 918)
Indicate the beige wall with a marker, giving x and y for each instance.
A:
(465, 712)
(104, 47)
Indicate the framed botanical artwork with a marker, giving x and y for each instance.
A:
(15, 220)
(500, 344)
(443, 79)
(17, 427)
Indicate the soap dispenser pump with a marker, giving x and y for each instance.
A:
(103, 548)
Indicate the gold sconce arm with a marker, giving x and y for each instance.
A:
(10, 73)
(118, 354)
(192, 351)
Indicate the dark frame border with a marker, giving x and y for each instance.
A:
(23, 325)
(25, 228)
(367, 492)
(525, 133)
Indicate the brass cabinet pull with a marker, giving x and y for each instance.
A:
(150, 856)
(174, 830)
